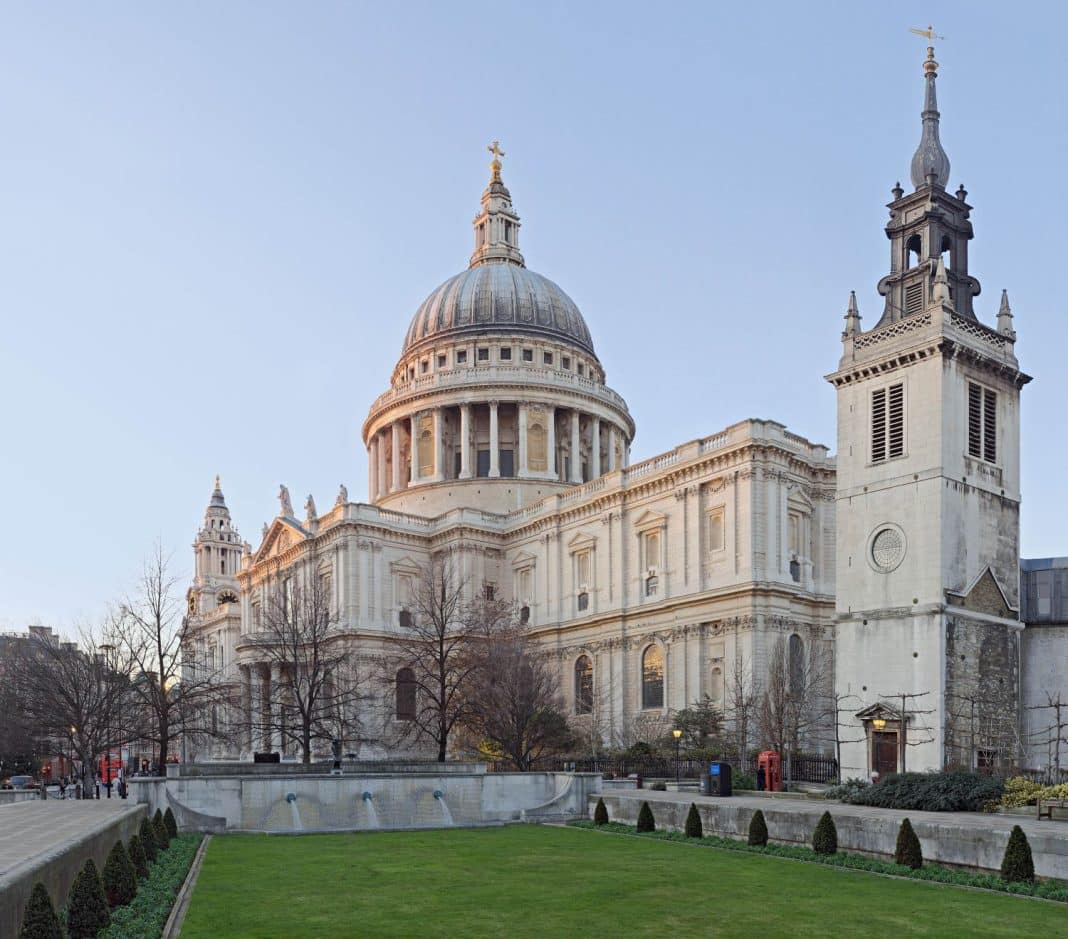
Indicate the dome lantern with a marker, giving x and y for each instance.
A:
(497, 225)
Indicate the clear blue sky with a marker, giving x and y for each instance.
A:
(216, 220)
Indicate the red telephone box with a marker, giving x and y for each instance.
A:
(771, 762)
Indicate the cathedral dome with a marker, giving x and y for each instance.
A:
(498, 296)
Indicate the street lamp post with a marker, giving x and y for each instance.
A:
(107, 649)
(78, 789)
(677, 734)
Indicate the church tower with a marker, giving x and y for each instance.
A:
(217, 553)
(928, 466)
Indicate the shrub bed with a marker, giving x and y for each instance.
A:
(1021, 791)
(1046, 890)
(145, 916)
(931, 792)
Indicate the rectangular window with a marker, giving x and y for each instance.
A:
(982, 423)
(528, 355)
(507, 461)
(914, 298)
(424, 366)
(506, 354)
(489, 592)
(565, 361)
(483, 355)
(461, 357)
(441, 361)
(582, 569)
(482, 464)
(715, 531)
(581, 369)
(888, 423)
(547, 358)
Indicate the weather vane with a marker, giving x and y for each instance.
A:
(927, 33)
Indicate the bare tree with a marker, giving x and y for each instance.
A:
(740, 708)
(436, 654)
(834, 706)
(1053, 734)
(78, 694)
(315, 691)
(175, 690)
(790, 710)
(515, 702)
(919, 734)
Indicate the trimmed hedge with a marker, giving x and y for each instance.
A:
(39, 920)
(137, 857)
(933, 873)
(171, 823)
(825, 837)
(957, 791)
(163, 837)
(145, 917)
(87, 908)
(600, 814)
(908, 851)
(119, 877)
(148, 840)
(758, 830)
(1018, 866)
(694, 828)
(646, 822)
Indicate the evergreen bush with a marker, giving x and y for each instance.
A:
(87, 907)
(171, 823)
(600, 814)
(1018, 866)
(136, 851)
(163, 838)
(645, 818)
(694, 828)
(958, 791)
(148, 840)
(908, 851)
(825, 837)
(119, 877)
(39, 920)
(758, 830)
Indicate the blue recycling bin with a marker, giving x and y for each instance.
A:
(719, 777)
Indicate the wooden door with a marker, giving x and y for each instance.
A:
(883, 753)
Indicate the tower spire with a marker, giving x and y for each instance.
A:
(930, 165)
(497, 225)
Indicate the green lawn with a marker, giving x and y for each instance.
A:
(549, 882)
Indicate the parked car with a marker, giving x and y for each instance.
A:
(23, 782)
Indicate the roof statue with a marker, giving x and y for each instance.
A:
(342, 495)
(284, 502)
(309, 509)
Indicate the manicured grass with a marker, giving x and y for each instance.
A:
(535, 881)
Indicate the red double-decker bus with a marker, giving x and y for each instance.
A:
(109, 766)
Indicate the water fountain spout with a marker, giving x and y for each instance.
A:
(372, 812)
(291, 798)
(446, 815)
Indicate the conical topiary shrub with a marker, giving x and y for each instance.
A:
(87, 907)
(908, 851)
(600, 814)
(148, 840)
(1018, 865)
(694, 828)
(39, 920)
(119, 877)
(163, 838)
(825, 837)
(758, 830)
(137, 857)
(171, 823)
(646, 822)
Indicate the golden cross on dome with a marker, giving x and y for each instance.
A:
(495, 149)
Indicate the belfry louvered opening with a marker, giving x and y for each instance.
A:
(888, 422)
(982, 423)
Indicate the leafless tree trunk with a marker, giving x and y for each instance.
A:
(834, 706)
(740, 709)
(437, 649)
(175, 690)
(315, 691)
(79, 694)
(516, 702)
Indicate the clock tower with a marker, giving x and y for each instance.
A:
(928, 497)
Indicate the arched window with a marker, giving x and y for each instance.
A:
(913, 250)
(796, 664)
(405, 619)
(583, 601)
(405, 695)
(652, 585)
(583, 685)
(652, 677)
(524, 615)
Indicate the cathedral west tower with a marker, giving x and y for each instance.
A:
(928, 495)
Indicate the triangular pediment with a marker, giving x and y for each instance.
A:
(984, 595)
(581, 540)
(650, 519)
(523, 559)
(878, 711)
(281, 536)
(406, 565)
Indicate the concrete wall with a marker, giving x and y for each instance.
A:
(337, 803)
(946, 838)
(7, 796)
(58, 868)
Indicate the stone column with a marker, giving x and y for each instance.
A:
(523, 439)
(395, 434)
(372, 468)
(249, 706)
(612, 448)
(494, 443)
(595, 449)
(439, 443)
(465, 441)
(413, 457)
(274, 692)
(380, 448)
(576, 455)
(551, 443)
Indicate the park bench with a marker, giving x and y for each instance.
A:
(1046, 807)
